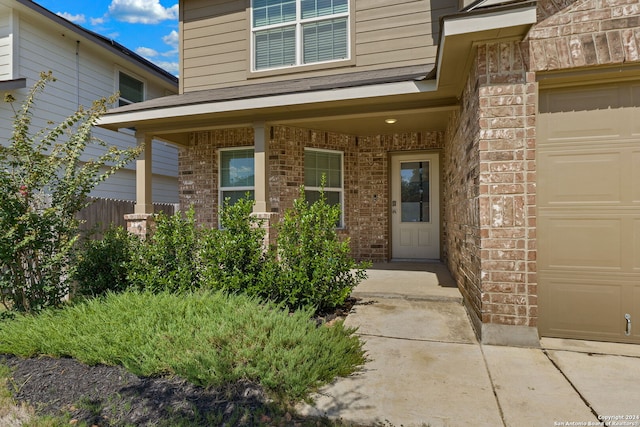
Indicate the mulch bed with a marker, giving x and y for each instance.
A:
(111, 396)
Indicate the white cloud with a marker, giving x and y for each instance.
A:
(142, 11)
(171, 39)
(97, 21)
(76, 19)
(147, 52)
(172, 67)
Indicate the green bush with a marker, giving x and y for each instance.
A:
(208, 338)
(43, 184)
(234, 256)
(311, 267)
(103, 265)
(315, 267)
(169, 258)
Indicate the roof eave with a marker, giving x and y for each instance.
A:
(460, 32)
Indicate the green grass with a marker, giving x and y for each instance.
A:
(208, 338)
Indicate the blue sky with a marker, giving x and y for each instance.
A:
(147, 27)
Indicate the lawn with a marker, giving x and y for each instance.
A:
(210, 339)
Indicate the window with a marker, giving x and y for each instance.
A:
(131, 89)
(298, 32)
(236, 174)
(319, 163)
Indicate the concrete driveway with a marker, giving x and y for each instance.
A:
(426, 368)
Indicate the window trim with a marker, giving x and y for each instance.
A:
(135, 76)
(221, 189)
(340, 190)
(300, 66)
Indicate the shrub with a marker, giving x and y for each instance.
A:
(234, 256)
(103, 265)
(315, 267)
(208, 338)
(169, 258)
(43, 184)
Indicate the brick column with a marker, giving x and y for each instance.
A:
(141, 225)
(269, 222)
(507, 104)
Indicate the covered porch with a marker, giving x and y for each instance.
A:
(472, 112)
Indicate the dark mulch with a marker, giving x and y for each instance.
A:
(110, 396)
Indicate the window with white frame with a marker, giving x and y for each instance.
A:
(327, 164)
(131, 89)
(237, 174)
(298, 32)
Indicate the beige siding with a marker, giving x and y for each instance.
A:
(388, 33)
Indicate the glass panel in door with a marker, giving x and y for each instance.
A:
(414, 197)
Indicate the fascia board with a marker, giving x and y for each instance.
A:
(239, 105)
(490, 21)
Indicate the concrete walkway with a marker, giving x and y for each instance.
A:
(426, 368)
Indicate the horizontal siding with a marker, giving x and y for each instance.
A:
(6, 46)
(215, 43)
(43, 48)
(388, 33)
(164, 189)
(196, 9)
(6, 64)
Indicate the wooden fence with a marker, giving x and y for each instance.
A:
(102, 213)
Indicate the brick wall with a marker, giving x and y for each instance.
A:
(198, 170)
(461, 187)
(572, 34)
(366, 175)
(490, 182)
(507, 101)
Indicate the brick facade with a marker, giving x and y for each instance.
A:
(572, 34)
(461, 188)
(366, 176)
(198, 170)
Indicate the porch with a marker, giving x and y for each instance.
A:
(420, 281)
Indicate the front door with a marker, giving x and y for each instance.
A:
(415, 211)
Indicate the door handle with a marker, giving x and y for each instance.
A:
(627, 317)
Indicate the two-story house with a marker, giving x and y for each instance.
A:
(87, 66)
(502, 137)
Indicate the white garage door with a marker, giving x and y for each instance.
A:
(588, 170)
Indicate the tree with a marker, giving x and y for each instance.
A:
(43, 184)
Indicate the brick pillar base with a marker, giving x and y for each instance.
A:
(141, 225)
(269, 222)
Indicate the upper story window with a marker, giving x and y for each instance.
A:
(131, 89)
(299, 32)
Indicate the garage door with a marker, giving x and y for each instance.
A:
(588, 162)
